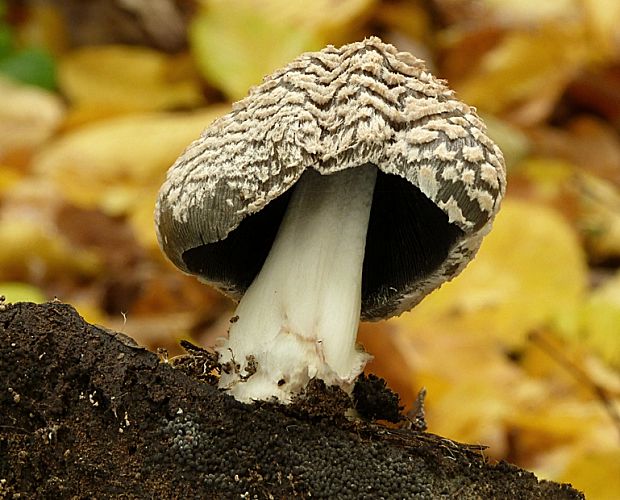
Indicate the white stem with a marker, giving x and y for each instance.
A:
(298, 319)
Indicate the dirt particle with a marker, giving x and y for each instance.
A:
(375, 401)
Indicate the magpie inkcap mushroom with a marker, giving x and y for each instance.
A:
(349, 184)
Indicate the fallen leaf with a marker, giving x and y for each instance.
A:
(527, 72)
(600, 321)
(406, 18)
(9, 177)
(599, 217)
(21, 292)
(106, 80)
(596, 473)
(589, 143)
(602, 18)
(469, 344)
(549, 181)
(529, 271)
(597, 90)
(237, 42)
(118, 165)
(35, 253)
(472, 386)
(44, 26)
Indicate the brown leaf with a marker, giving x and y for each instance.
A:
(587, 142)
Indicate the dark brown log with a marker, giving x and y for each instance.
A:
(84, 412)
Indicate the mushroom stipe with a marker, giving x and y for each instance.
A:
(347, 186)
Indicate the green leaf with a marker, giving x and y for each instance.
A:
(32, 66)
(6, 41)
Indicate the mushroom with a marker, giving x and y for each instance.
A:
(348, 185)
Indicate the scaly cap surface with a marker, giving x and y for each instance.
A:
(332, 110)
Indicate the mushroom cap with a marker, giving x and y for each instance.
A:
(441, 178)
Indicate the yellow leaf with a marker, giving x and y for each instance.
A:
(115, 79)
(89, 309)
(21, 292)
(472, 387)
(118, 165)
(546, 174)
(556, 420)
(596, 473)
(530, 68)
(9, 177)
(93, 165)
(31, 250)
(530, 270)
(603, 18)
(141, 218)
(237, 42)
(600, 325)
(409, 18)
(550, 180)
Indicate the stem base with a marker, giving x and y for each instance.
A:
(299, 318)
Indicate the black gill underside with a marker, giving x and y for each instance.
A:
(408, 238)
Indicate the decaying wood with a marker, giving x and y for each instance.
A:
(83, 412)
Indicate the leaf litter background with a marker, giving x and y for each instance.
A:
(520, 353)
